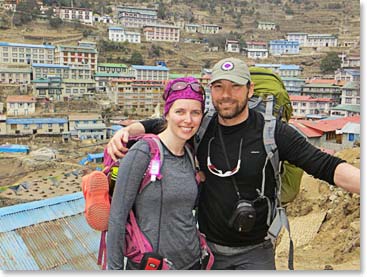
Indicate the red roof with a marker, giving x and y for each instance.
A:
(308, 132)
(330, 124)
(256, 43)
(20, 99)
(327, 82)
(307, 98)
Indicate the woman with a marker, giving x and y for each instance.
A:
(164, 208)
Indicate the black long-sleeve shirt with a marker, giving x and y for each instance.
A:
(218, 196)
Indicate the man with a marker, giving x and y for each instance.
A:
(231, 156)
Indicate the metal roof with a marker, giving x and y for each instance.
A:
(150, 67)
(36, 120)
(50, 234)
(50, 65)
(10, 44)
(352, 128)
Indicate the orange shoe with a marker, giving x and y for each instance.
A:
(97, 200)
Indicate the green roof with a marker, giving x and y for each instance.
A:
(351, 85)
(348, 108)
(79, 81)
(180, 75)
(105, 74)
(78, 49)
(121, 65)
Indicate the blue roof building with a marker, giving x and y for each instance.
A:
(50, 234)
(150, 72)
(281, 47)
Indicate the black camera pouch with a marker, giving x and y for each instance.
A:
(243, 216)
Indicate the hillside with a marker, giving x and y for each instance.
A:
(236, 17)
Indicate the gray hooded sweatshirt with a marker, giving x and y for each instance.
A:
(163, 209)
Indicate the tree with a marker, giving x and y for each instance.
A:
(55, 22)
(330, 63)
(136, 58)
(161, 13)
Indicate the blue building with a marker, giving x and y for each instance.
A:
(281, 47)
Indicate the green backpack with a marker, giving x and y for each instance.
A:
(266, 84)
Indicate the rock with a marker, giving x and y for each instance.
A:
(328, 267)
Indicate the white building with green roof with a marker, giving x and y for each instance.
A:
(136, 17)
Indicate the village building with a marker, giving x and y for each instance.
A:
(289, 70)
(21, 53)
(256, 50)
(20, 105)
(15, 75)
(158, 32)
(140, 97)
(209, 29)
(283, 70)
(119, 34)
(48, 88)
(72, 71)
(301, 38)
(136, 17)
(112, 68)
(265, 25)
(293, 85)
(322, 91)
(102, 19)
(351, 93)
(150, 72)
(192, 28)
(67, 55)
(353, 62)
(307, 105)
(281, 47)
(82, 15)
(345, 110)
(321, 40)
(313, 40)
(352, 75)
(42, 126)
(87, 126)
(330, 133)
(232, 46)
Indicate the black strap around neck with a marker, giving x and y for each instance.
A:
(227, 160)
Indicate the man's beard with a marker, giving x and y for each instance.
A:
(232, 113)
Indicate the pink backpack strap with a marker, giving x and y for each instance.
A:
(206, 254)
(102, 252)
(153, 171)
(108, 162)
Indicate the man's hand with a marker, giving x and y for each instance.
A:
(116, 147)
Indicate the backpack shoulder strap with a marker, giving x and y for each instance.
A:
(202, 129)
(279, 215)
(153, 171)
